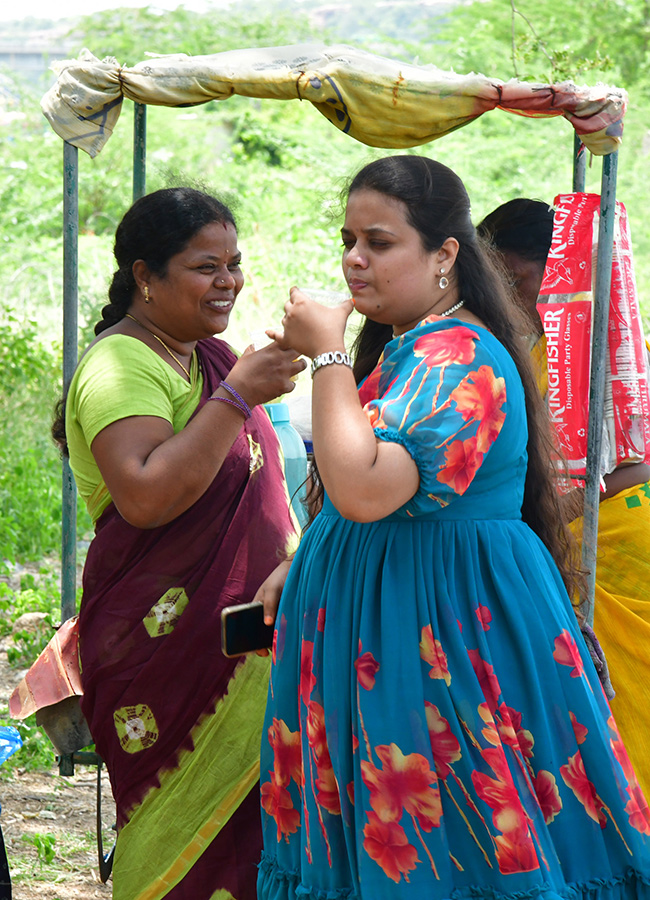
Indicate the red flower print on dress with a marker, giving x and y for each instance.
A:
(620, 752)
(405, 784)
(579, 730)
(509, 724)
(488, 681)
(484, 616)
(373, 415)
(327, 789)
(567, 654)
(386, 843)
(276, 801)
(462, 462)
(637, 806)
(367, 667)
(575, 777)
(327, 792)
(432, 653)
(515, 853)
(479, 398)
(287, 759)
(515, 850)
(500, 793)
(438, 349)
(316, 734)
(369, 390)
(444, 746)
(548, 794)
(637, 810)
(307, 677)
(490, 732)
(442, 348)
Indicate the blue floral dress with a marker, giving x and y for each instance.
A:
(435, 728)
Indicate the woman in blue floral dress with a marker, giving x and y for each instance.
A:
(435, 727)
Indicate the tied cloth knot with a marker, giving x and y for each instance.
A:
(598, 659)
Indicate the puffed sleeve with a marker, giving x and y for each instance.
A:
(438, 392)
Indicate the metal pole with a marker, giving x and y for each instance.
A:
(68, 486)
(70, 293)
(597, 386)
(579, 164)
(139, 150)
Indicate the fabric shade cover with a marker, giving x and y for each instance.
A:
(378, 101)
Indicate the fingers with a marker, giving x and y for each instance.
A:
(275, 334)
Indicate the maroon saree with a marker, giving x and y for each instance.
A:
(177, 723)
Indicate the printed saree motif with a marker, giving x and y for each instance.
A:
(176, 722)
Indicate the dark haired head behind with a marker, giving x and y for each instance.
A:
(521, 226)
(521, 230)
(437, 206)
(157, 227)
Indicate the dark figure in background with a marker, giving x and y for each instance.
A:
(521, 231)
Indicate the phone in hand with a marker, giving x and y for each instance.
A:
(243, 629)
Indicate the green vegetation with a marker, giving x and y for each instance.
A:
(282, 165)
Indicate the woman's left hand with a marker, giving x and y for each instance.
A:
(311, 328)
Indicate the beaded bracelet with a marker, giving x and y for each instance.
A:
(244, 406)
(232, 403)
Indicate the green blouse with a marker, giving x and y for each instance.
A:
(118, 377)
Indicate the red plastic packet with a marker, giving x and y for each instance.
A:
(566, 307)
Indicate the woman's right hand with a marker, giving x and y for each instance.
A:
(262, 375)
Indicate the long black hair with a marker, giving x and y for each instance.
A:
(157, 227)
(520, 226)
(438, 207)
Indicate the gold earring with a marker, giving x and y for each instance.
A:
(147, 298)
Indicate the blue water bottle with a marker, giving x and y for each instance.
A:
(295, 458)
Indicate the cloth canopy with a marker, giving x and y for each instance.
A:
(378, 101)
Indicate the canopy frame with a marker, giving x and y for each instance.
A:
(599, 337)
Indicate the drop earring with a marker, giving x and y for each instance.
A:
(443, 282)
(147, 298)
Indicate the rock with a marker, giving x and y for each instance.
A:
(33, 622)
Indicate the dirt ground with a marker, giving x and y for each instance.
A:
(58, 815)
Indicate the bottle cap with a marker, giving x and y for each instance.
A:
(278, 412)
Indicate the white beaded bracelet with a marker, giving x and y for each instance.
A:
(326, 359)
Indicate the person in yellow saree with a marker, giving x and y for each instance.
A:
(521, 230)
(181, 470)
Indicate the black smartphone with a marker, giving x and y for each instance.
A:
(243, 629)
